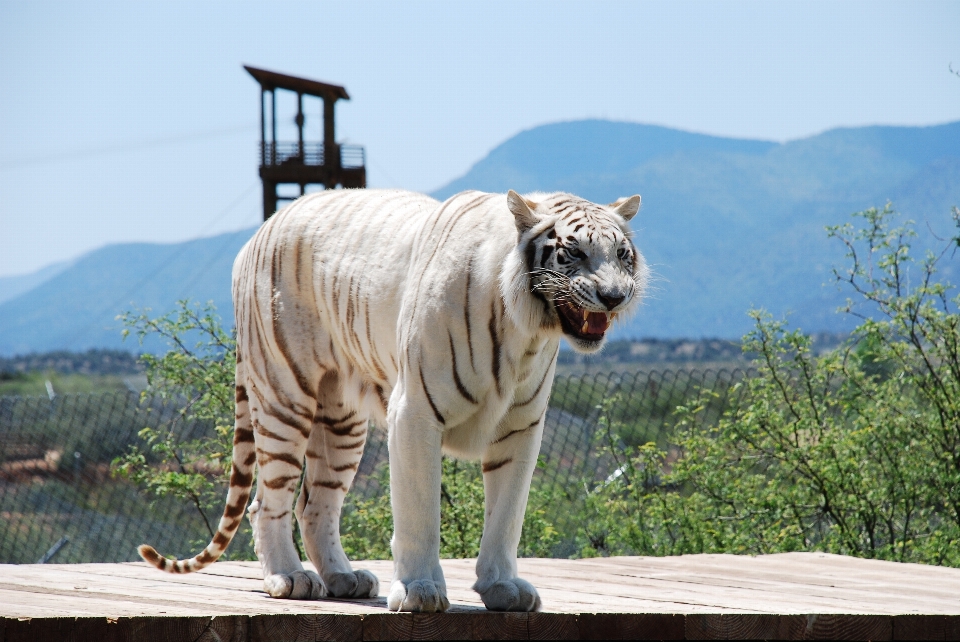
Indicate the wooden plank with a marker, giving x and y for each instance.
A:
(926, 627)
(475, 625)
(306, 628)
(553, 626)
(174, 629)
(467, 626)
(197, 592)
(681, 596)
(790, 596)
(642, 626)
(798, 594)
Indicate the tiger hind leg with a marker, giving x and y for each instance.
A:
(333, 455)
(281, 437)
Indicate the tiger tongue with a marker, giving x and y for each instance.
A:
(597, 323)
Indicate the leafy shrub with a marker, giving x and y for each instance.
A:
(367, 524)
(198, 371)
(854, 452)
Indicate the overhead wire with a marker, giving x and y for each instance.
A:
(185, 289)
(179, 249)
(80, 154)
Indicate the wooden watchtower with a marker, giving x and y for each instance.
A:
(303, 163)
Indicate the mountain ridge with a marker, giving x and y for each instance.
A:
(731, 224)
(726, 224)
(114, 279)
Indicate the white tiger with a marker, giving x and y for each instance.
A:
(440, 321)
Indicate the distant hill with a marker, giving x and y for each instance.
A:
(76, 309)
(13, 286)
(726, 224)
(95, 361)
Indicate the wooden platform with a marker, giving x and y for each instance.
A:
(789, 596)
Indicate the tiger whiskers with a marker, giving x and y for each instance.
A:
(544, 279)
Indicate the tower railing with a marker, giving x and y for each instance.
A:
(351, 156)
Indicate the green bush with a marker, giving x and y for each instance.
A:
(367, 524)
(856, 452)
(197, 371)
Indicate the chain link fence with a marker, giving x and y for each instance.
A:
(60, 503)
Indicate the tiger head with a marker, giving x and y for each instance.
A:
(575, 268)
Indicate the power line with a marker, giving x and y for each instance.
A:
(163, 265)
(185, 289)
(124, 147)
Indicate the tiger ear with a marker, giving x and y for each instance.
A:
(522, 211)
(626, 207)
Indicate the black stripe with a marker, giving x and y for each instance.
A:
(239, 478)
(531, 255)
(330, 421)
(466, 314)
(537, 392)
(447, 229)
(374, 358)
(343, 431)
(495, 338)
(332, 485)
(547, 253)
(384, 400)
(448, 222)
(285, 419)
(266, 432)
(282, 399)
(347, 329)
(515, 432)
(489, 467)
(334, 299)
(234, 511)
(279, 336)
(430, 399)
(280, 482)
(456, 375)
(296, 263)
(286, 458)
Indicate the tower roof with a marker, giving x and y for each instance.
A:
(273, 80)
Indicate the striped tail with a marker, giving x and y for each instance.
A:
(241, 481)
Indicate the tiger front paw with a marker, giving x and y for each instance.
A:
(418, 596)
(299, 585)
(511, 595)
(358, 584)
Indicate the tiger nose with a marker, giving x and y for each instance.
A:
(610, 301)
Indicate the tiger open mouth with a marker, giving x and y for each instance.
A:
(581, 323)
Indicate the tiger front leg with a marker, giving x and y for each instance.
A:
(508, 466)
(415, 449)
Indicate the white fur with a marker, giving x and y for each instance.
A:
(355, 305)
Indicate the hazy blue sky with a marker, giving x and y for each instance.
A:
(135, 120)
